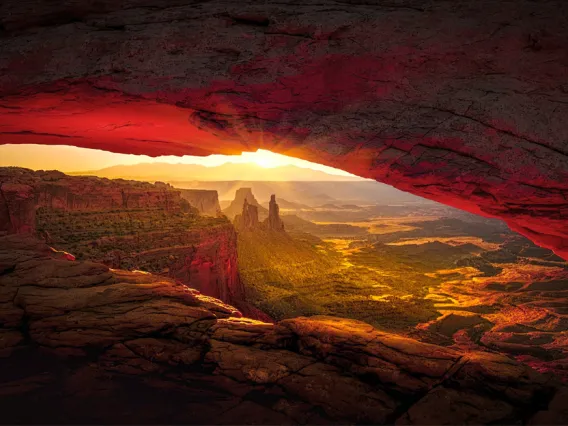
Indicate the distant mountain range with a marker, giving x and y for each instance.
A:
(229, 171)
(294, 185)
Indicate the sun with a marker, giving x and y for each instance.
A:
(266, 159)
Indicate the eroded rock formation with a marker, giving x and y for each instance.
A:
(248, 219)
(426, 96)
(236, 206)
(273, 222)
(140, 343)
(124, 224)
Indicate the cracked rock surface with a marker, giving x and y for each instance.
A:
(464, 103)
(84, 343)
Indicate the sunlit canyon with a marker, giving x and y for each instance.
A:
(317, 212)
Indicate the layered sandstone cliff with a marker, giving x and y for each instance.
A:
(146, 349)
(203, 256)
(123, 224)
(23, 191)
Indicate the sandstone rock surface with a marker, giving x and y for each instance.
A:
(427, 96)
(133, 341)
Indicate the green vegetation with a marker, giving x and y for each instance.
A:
(96, 234)
(276, 267)
(291, 275)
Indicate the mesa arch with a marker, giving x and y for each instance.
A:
(465, 104)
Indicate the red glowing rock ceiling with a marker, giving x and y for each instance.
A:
(465, 103)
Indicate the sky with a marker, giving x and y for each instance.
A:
(72, 159)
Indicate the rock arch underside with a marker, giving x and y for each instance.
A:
(464, 103)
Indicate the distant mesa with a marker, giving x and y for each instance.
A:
(248, 219)
(296, 224)
(329, 206)
(236, 206)
(303, 195)
(205, 201)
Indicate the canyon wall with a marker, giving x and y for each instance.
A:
(123, 224)
(22, 191)
(204, 258)
(428, 96)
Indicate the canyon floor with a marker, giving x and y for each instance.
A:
(441, 276)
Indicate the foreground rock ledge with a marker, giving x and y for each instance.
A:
(424, 95)
(84, 343)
